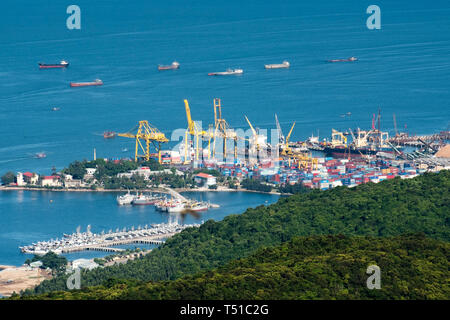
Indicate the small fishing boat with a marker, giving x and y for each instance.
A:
(109, 134)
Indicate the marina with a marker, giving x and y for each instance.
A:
(33, 216)
(85, 241)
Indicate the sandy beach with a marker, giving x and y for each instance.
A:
(14, 279)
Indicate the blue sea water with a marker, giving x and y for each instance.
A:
(31, 216)
(403, 68)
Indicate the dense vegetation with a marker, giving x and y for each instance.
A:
(293, 188)
(8, 177)
(50, 260)
(388, 208)
(317, 267)
(108, 168)
(256, 185)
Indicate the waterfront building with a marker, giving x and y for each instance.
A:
(84, 264)
(51, 181)
(27, 178)
(204, 179)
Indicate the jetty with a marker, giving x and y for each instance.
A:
(88, 241)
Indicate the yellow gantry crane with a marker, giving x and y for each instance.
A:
(196, 132)
(338, 138)
(287, 149)
(149, 135)
(222, 130)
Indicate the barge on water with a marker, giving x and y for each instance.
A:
(97, 82)
(283, 65)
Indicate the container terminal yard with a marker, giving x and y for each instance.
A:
(350, 157)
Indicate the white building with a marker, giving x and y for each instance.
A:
(84, 264)
(51, 181)
(204, 179)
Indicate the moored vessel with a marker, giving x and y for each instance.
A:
(125, 199)
(142, 199)
(97, 82)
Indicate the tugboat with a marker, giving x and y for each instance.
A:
(97, 82)
(344, 60)
(62, 64)
(173, 66)
(226, 73)
(283, 65)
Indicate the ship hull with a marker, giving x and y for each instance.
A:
(345, 152)
(86, 84)
(168, 67)
(52, 66)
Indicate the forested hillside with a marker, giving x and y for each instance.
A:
(389, 208)
(317, 267)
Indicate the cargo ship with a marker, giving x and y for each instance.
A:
(61, 64)
(283, 65)
(173, 66)
(226, 73)
(344, 60)
(97, 82)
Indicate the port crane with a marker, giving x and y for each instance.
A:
(222, 130)
(280, 132)
(194, 130)
(338, 138)
(287, 149)
(257, 141)
(146, 135)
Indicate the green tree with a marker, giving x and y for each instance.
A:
(8, 178)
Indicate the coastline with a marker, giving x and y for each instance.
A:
(18, 278)
(5, 188)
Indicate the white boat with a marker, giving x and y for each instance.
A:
(283, 65)
(175, 207)
(125, 199)
(143, 199)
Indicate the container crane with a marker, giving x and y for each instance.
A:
(257, 140)
(149, 135)
(280, 132)
(223, 130)
(194, 130)
(287, 149)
